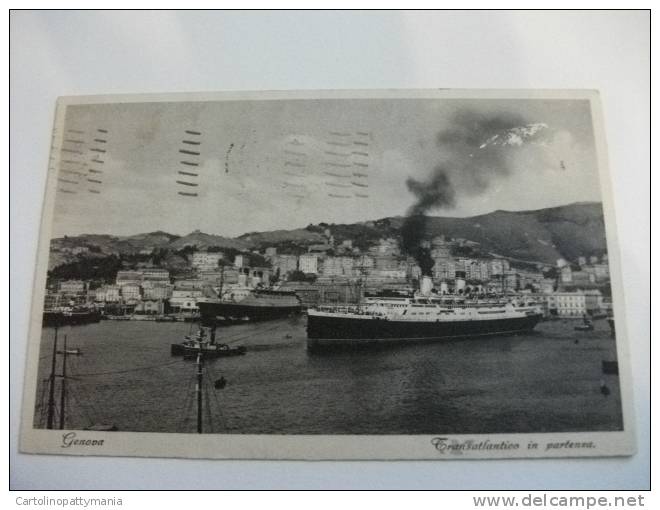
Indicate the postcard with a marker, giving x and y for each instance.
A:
(388, 274)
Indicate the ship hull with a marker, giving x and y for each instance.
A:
(222, 312)
(328, 331)
(51, 318)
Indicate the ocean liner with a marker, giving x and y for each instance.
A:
(249, 305)
(424, 317)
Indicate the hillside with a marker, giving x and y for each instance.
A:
(542, 235)
(202, 241)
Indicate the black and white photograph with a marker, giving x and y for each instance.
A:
(402, 274)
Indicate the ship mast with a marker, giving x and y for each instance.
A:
(51, 389)
(198, 391)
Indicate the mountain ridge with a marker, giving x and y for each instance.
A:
(539, 235)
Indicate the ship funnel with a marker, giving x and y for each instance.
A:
(426, 286)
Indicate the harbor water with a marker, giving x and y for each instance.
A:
(550, 380)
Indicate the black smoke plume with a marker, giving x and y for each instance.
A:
(469, 165)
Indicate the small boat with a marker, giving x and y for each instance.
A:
(587, 325)
(191, 346)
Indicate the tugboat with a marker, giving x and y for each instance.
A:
(206, 345)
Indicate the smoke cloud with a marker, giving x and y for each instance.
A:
(474, 152)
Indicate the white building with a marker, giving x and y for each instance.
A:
(131, 292)
(72, 287)
(567, 304)
(308, 264)
(206, 261)
(108, 294)
(185, 299)
(156, 291)
(129, 278)
(155, 274)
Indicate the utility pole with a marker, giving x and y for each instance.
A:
(51, 389)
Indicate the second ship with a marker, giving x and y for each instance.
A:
(248, 305)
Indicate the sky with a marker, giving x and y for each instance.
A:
(282, 164)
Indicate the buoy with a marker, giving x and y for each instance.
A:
(220, 383)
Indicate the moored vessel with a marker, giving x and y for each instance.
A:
(69, 316)
(248, 305)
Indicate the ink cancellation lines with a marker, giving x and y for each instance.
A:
(295, 158)
(346, 164)
(189, 155)
(79, 156)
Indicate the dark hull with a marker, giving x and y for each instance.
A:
(69, 319)
(185, 350)
(329, 331)
(219, 312)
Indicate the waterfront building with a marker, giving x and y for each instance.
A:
(593, 301)
(567, 304)
(156, 291)
(185, 300)
(108, 294)
(241, 261)
(131, 292)
(150, 307)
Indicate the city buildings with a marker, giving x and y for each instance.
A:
(308, 264)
